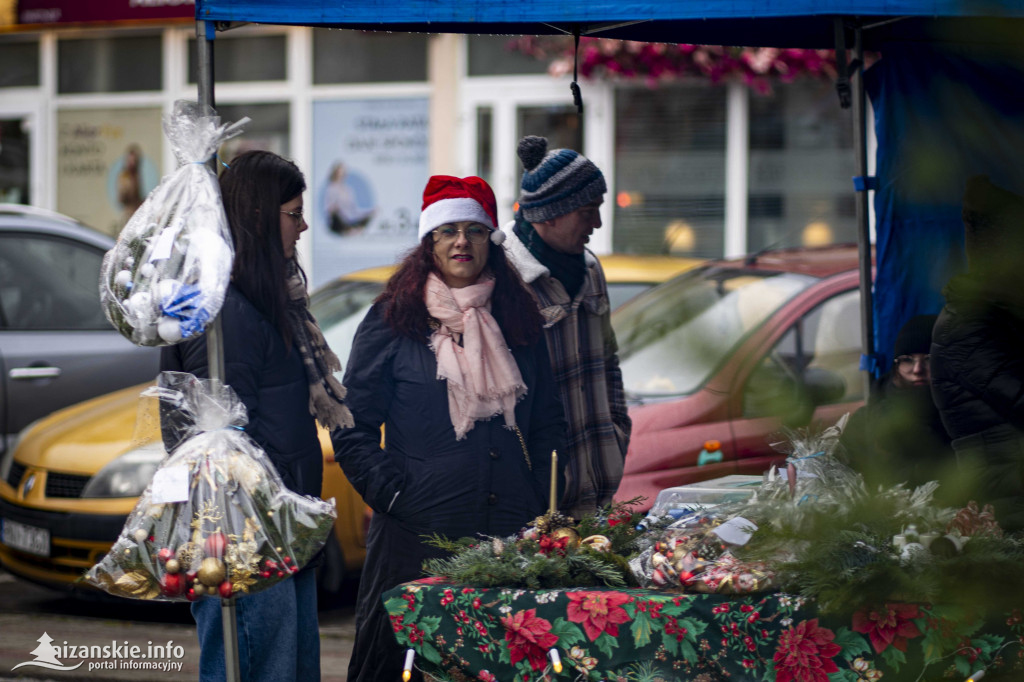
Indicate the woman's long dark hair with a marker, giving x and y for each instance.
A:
(511, 304)
(254, 188)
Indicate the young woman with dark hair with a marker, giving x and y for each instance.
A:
(276, 360)
(452, 360)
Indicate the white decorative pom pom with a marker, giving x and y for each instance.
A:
(123, 279)
(169, 329)
(498, 237)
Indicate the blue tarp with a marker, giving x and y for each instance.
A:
(941, 115)
(776, 23)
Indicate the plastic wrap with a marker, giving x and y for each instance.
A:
(167, 275)
(216, 520)
(695, 554)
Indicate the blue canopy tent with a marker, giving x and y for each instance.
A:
(906, 32)
(919, 93)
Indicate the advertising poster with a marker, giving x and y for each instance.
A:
(369, 169)
(108, 160)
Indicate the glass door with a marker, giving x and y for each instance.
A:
(15, 160)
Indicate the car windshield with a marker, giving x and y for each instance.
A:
(339, 308)
(673, 337)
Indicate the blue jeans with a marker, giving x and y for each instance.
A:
(278, 633)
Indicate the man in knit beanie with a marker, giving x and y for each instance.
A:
(559, 208)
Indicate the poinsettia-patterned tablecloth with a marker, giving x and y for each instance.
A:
(471, 633)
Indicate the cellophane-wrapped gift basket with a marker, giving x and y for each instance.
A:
(216, 520)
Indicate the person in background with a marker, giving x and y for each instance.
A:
(277, 361)
(451, 359)
(898, 437)
(559, 208)
(976, 358)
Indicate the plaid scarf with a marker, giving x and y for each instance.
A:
(326, 393)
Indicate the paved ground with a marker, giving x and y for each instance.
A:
(27, 611)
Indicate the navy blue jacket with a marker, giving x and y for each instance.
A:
(271, 381)
(425, 478)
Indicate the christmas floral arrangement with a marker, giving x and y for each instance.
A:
(217, 519)
(553, 551)
(814, 529)
(167, 275)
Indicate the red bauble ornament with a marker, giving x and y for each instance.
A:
(191, 595)
(215, 544)
(172, 584)
(287, 559)
(225, 589)
(280, 574)
(164, 554)
(271, 565)
(264, 574)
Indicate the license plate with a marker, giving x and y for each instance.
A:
(26, 538)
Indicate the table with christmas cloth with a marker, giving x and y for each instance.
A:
(462, 632)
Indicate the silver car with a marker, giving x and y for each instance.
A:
(56, 346)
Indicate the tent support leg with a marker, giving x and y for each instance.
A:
(215, 338)
(860, 146)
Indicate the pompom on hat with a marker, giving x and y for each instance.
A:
(448, 199)
(555, 182)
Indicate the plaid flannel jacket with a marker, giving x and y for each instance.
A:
(585, 363)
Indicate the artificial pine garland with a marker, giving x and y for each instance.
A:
(552, 552)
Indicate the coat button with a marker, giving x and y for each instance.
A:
(492, 499)
(493, 452)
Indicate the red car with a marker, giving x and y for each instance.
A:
(717, 360)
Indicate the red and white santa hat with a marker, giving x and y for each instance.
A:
(447, 199)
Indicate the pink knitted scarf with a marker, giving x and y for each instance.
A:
(483, 378)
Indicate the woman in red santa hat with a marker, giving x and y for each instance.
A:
(452, 360)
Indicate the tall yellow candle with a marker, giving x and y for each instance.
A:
(554, 481)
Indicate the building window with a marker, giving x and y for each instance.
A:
(21, 63)
(670, 170)
(367, 57)
(494, 56)
(268, 130)
(244, 58)
(121, 64)
(801, 164)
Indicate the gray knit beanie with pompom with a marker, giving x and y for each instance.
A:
(555, 182)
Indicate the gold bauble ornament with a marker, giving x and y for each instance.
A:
(199, 588)
(572, 535)
(172, 566)
(211, 572)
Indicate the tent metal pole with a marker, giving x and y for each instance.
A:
(860, 146)
(215, 338)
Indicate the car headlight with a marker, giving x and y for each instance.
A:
(7, 459)
(128, 475)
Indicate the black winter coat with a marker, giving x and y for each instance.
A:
(977, 365)
(425, 481)
(271, 381)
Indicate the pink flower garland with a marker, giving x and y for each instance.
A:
(757, 67)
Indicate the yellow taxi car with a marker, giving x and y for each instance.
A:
(68, 485)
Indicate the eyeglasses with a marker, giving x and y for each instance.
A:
(476, 234)
(908, 361)
(297, 215)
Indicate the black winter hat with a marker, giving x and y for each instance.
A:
(915, 336)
